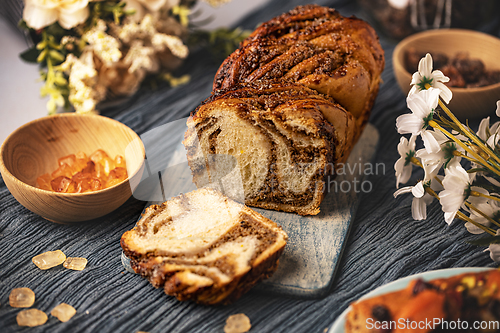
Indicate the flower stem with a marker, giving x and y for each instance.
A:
(479, 194)
(473, 137)
(459, 154)
(435, 125)
(415, 161)
(471, 206)
(463, 217)
(432, 192)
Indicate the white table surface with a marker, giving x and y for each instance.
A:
(19, 81)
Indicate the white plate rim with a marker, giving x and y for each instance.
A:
(338, 325)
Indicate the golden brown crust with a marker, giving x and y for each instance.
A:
(314, 46)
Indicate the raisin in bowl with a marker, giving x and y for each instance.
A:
(469, 58)
(45, 146)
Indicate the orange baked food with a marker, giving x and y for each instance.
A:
(468, 302)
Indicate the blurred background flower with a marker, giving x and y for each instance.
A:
(91, 51)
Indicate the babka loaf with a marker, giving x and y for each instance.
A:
(289, 105)
(435, 306)
(203, 246)
(282, 138)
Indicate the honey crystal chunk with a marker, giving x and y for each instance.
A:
(95, 184)
(63, 170)
(99, 172)
(70, 160)
(116, 176)
(120, 162)
(78, 173)
(31, 318)
(238, 323)
(63, 312)
(21, 298)
(81, 160)
(98, 155)
(43, 182)
(62, 184)
(49, 259)
(75, 263)
(82, 181)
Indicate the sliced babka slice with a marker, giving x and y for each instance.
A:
(285, 138)
(203, 246)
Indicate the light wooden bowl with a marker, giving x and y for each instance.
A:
(34, 149)
(467, 103)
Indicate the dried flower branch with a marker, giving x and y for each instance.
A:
(91, 50)
(448, 143)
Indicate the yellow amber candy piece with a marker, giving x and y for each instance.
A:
(238, 323)
(21, 298)
(31, 318)
(49, 259)
(75, 263)
(63, 312)
(469, 281)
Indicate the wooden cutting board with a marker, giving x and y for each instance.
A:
(312, 256)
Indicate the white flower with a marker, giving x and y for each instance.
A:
(422, 105)
(85, 91)
(487, 208)
(173, 43)
(403, 165)
(419, 202)
(425, 77)
(106, 47)
(399, 4)
(498, 108)
(491, 180)
(495, 250)
(489, 134)
(155, 5)
(138, 9)
(141, 57)
(432, 162)
(69, 13)
(456, 182)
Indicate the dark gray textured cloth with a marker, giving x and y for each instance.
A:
(385, 242)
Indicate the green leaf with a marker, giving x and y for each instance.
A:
(41, 57)
(56, 56)
(23, 25)
(485, 241)
(30, 55)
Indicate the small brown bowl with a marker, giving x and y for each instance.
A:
(467, 103)
(34, 149)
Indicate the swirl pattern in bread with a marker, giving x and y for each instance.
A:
(203, 246)
(289, 105)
